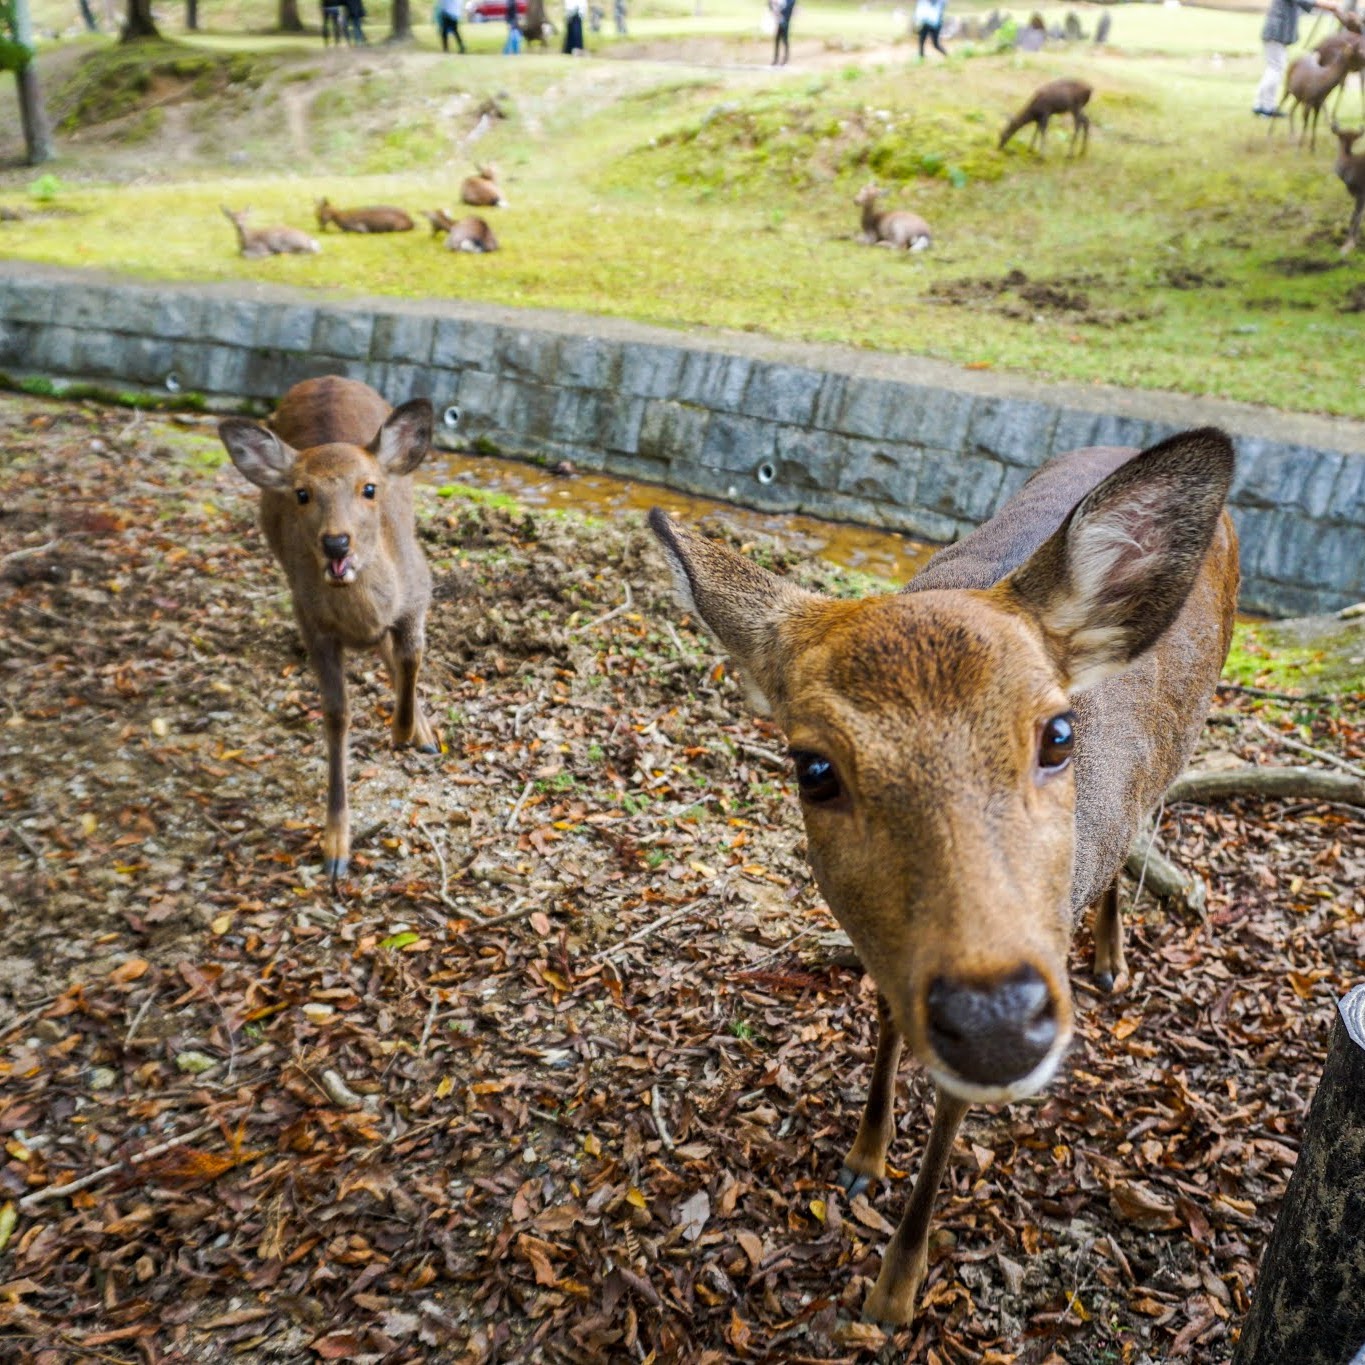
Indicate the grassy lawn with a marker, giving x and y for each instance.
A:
(692, 186)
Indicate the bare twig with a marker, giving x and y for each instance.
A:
(650, 928)
(138, 1018)
(769, 756)
(1300, 747)
(656, 1109)
(518, 911)
(607, 616)
(26, 550)
(521, 801)
(32, 1201)
(436, 848)
(34, 850)
(1247, 691)
(431, 1020)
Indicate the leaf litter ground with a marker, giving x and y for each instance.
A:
(606, 1127)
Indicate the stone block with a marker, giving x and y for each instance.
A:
(231, 322)
(923, 416)
(1323, 470)
(98, 354)
(672, 431)
(477, 396)
(529, 410)
(1269, 474)
(84, 307)
(223, 369)
(961, 486)
(627, 466)
(714, 379)
(829, 402)
(880, 472)
(809, 458)
(867, 407)
(343, 333)
(1328, 558)
(16, 340)
(460, 344)
(742, 444)
(782, 393)
(620, 418)
(1128, 432)
(588, 362)
(524, 354)
(53, 350)
(173, 313)
(649, 371)
(577, 416)
(28, 300)
(402, 338)
(1347, 502)
(400, 383)
(287, 327)
(1286, 599)
(1015, 431)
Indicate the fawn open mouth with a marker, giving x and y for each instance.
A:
(341, 571)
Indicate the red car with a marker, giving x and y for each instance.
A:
(480, 11)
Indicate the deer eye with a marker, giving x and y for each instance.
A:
(816, 777)
(368, 490)
(1056, 742)
(302, 495)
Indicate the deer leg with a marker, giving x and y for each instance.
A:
(1111, 968)
(907, 1254)
(405, 648)
(866, 1160)
(328, 660)
(1085, 133)
(1350, 243)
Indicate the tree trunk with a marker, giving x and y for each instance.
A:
(1309, 1307)
(139, 23)
(289, 17)
(192, 15)
(400, 27)
(32, 116)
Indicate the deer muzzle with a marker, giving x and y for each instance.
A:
(341, 565)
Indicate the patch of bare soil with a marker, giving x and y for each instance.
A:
(562, 1073)
(1015, 295)
(1192, 277)
(1293, 266)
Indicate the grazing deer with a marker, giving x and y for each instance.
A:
(890, 227)
(1308, 84)
(974, 755)
(471, 234)
(335, 469)
(270, 241)
(1350, 169)
(1056, 97)
(481, 190)
(377, 218)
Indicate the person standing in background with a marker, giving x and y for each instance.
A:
(355, 22)
(619, 15)
(513, 44)
(573, 26)
(782, 13)
(1280, 32)
(929, 22)
(448, 16)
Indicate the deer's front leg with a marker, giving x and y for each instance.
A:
(907, 1254)
(329, 661)
(1111, 967)
(404, 653)
(866, 1160)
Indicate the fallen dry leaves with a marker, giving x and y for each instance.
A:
(603, 1129)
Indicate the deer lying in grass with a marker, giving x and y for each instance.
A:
(1308, 84)
(1350, 169)
(890, 227)
(1056, 97)
(974, 755)
(269, 241)
(481, 190)
(376, 218)
(335, 468)
(471, 234)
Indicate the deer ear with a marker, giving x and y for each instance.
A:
(744, 606)
(403, 441)
(1106, 586)
(258, 453)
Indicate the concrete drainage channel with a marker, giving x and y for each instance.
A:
(894, 442)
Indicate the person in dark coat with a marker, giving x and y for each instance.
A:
(1279, 33)
(355, 21)
(782, 13)
(573, 26)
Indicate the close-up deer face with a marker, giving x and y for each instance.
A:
(338, 490)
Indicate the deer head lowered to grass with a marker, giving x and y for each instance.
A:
(974, 755)
(335, 468)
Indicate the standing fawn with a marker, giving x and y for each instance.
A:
(974, 755)
(335, 470)
(377, 218)
(270, 241)
(1308, 84)
(1350, 169)
(890, 227)
(481, 190)
(1056, 97)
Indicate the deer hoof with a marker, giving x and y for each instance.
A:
(336, 868)
(852, 1182)
(1105, 981)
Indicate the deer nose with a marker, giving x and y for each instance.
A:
(992, 1033)
(336, 547)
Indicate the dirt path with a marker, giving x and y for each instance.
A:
(607, 1127)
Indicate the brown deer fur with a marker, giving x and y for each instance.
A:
(481, 190)
(957, 859)
(1350, 169)
(377, 218)
(1056, 97)
(888, 227)
(1308, 84)
(440, 220)
(335, 468)
(268, 241)
(471, 234)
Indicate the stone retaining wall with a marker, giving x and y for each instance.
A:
(888, 441)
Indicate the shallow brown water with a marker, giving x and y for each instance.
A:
(881, 553)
